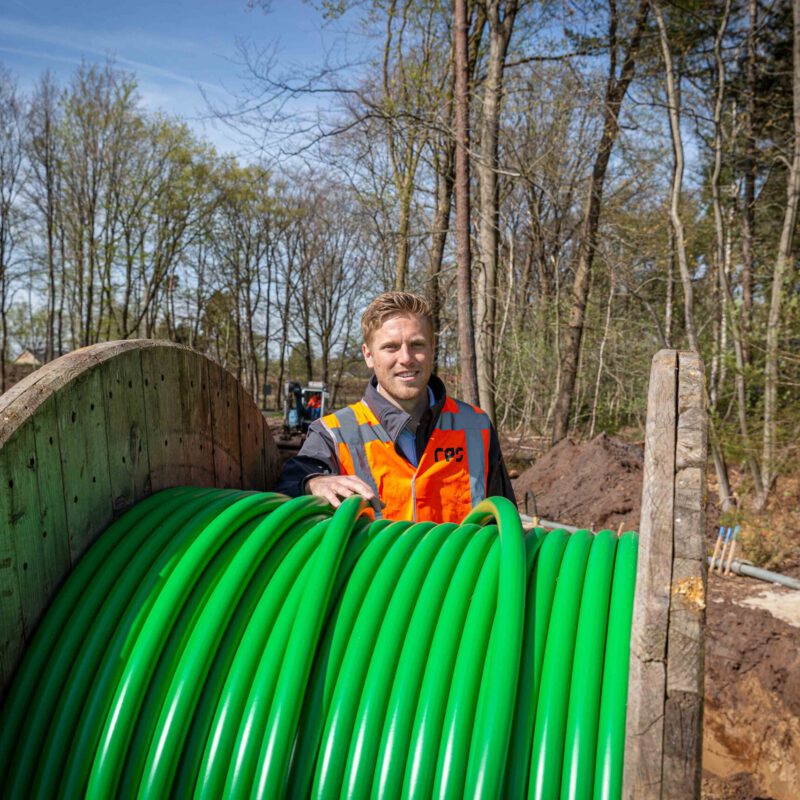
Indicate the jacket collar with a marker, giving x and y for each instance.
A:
(393, 419)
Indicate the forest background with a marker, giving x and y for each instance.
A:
(573, 185)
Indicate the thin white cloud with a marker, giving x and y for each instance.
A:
(103, 45)
(39, 54)
(100, 39)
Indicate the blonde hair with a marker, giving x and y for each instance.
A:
(394, 304)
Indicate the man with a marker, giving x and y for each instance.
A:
(406, 446)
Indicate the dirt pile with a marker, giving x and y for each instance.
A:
(596, 484)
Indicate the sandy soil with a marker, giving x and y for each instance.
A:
(751, 742)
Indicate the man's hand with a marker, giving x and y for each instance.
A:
(335, 488)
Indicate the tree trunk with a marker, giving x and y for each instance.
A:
(782, 263)
(488, 235)
(267, 330)
(721, 260)
(285, 311)
(602, 353)
(668, 303)
(748, 210)
(616, 89)
(466, 336)
(441, 224)
(677, 182)
(401, 265)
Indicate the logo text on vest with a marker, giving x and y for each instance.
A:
(448, 453)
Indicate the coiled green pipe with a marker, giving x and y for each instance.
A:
(223, 643)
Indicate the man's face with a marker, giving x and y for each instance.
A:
(401, 354)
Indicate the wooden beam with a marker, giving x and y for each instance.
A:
(665, 695)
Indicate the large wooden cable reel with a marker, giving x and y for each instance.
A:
(87, 436)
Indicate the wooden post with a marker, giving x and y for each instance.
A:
(665, 694)
(86, 436)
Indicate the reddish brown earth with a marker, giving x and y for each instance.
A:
(751, 742)
(596, 484)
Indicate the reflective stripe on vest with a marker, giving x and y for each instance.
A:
(445, 488)
(465, 421)
(354, 436)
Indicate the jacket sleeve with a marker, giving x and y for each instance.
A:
(498, 484)
(317, 456)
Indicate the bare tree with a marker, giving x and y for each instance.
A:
(466, 333)
(11, 183)
(676, 221)
(44, 190)
(500, 16)
(748, 206)
(617, 85)
(722, 269)
(781, 269)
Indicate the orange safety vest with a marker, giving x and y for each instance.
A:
(450, 478)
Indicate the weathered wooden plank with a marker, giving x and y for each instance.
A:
(164, 414)
(11, 625)
(644, 743)
(222, 386)
(178, 412)
(84, 459)
(683, 710)
(663, 737)
(32, 551)
(692, 427)
(195, 432)
(260, 458)
(52, 530)
(648, 636)
(686, 625)
(15, 398)
(683, 743)
(126, 426)
(271, 456)
(647, 681)
(251, 435)
(689, 514)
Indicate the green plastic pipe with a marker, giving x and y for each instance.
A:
(551, 712)
(54, 624)
(189, 675)
(365, 740)
(423, 747)
(614, 694)
(587, 671)
(325, 671)
(393, 745)
(186, 525)
(227, 643)
(230, 701)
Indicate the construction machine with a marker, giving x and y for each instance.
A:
(302, 404)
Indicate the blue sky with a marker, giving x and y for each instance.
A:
(175, 47)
